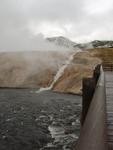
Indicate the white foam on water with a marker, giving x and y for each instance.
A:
(59, 73)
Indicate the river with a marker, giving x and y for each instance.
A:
(38, 121)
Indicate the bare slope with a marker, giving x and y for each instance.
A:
(105, 54)
(29, 69)
(37, 69)
(82, 66)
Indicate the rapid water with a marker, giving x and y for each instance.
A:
(58, 74)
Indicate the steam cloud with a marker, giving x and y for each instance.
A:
(28, 55)
(80, 20)
(23, 41)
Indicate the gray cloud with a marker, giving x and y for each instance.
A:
(81, 20)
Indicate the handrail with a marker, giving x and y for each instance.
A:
(93, 134)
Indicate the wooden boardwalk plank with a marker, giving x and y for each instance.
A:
(109, 103)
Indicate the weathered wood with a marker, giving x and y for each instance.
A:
(93, 134)
(88, 85)
(109, 104)
(96, 72)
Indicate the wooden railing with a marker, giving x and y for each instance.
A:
(93, 134)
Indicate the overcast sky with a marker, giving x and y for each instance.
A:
(79, 20)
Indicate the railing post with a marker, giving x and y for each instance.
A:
(89, 85)
(96, 72)
(88, 91)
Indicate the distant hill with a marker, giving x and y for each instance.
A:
(102, 44)
(65, 42)
(95, 44)
(62, 41)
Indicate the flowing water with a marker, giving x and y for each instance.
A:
(58, 74)
(64, 134)
(65, 124)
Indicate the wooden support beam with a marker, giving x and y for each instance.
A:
(89, 85)
(96, 73)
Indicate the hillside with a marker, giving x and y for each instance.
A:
(62, 42)
(37, 69)
(81, 66)
(29, 69)
(65, 42)
(106, 55)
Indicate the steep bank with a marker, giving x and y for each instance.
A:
(105, 54)
(38, 69)
(81, 66)
(29, 69)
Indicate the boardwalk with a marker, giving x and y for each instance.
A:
(109, 102)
